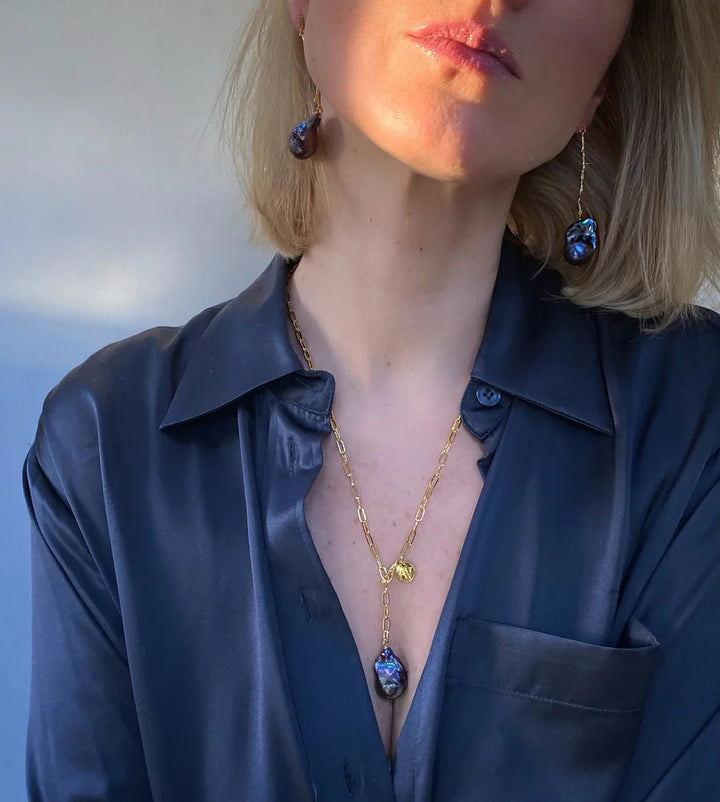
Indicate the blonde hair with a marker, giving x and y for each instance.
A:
(653, 148)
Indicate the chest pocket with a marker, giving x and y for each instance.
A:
(532, 716)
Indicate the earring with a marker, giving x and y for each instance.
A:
(303, 139)
(581, 236)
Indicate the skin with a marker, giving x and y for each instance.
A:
(422, 160)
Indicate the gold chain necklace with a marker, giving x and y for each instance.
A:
(390, 673)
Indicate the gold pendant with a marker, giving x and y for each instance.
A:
(405, 571)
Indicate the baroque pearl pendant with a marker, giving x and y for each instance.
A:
(580, 241)
(303, 139)
(390, 675)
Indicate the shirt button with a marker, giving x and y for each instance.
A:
(487, 396)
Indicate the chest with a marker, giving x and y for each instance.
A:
(391, 491)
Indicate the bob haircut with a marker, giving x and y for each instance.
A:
(652, 180)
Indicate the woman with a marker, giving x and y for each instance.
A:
(491, 219)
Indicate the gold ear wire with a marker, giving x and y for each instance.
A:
(582, 171)
(303, 139)
(316, 93)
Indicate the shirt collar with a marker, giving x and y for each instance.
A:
(537, 346)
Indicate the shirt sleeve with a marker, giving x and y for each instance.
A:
(676, 757)
(83, 739)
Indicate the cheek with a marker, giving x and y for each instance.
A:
(575, 48)
(346, 48)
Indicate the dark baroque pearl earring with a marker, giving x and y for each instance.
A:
(581, 236)
(303, 139)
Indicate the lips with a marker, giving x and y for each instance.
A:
(468, 35)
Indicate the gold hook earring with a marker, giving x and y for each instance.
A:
(303, 139)
(581, 236)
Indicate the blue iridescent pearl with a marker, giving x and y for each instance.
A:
(390, 675)
(303, 139)
(580, 241)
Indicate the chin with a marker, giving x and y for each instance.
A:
(463, 152)
(451, 164)
(445, 145)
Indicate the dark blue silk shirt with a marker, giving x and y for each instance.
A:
(189, 647)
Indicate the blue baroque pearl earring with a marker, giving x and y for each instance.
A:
(303, 139)
(581, 236)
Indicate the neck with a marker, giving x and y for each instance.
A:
(396, 285)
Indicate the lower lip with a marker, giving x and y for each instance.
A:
(464, 56)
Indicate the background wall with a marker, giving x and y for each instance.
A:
(118, 212)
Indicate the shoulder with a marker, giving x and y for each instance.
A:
(680, 362)
(132, 378)
(664, 391)
(640, 362)
(119, 398)
(696, 337)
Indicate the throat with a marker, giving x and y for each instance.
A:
(411, 336)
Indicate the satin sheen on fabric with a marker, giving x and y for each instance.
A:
(189, 647)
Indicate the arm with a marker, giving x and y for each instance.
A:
(83, 738)
(676, 757)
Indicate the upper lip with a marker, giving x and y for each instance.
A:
(474, 35)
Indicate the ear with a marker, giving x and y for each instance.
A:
(595, 101)
(297, 9)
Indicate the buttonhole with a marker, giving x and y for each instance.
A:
(308, 605)
(349, 780)
(291, 454)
